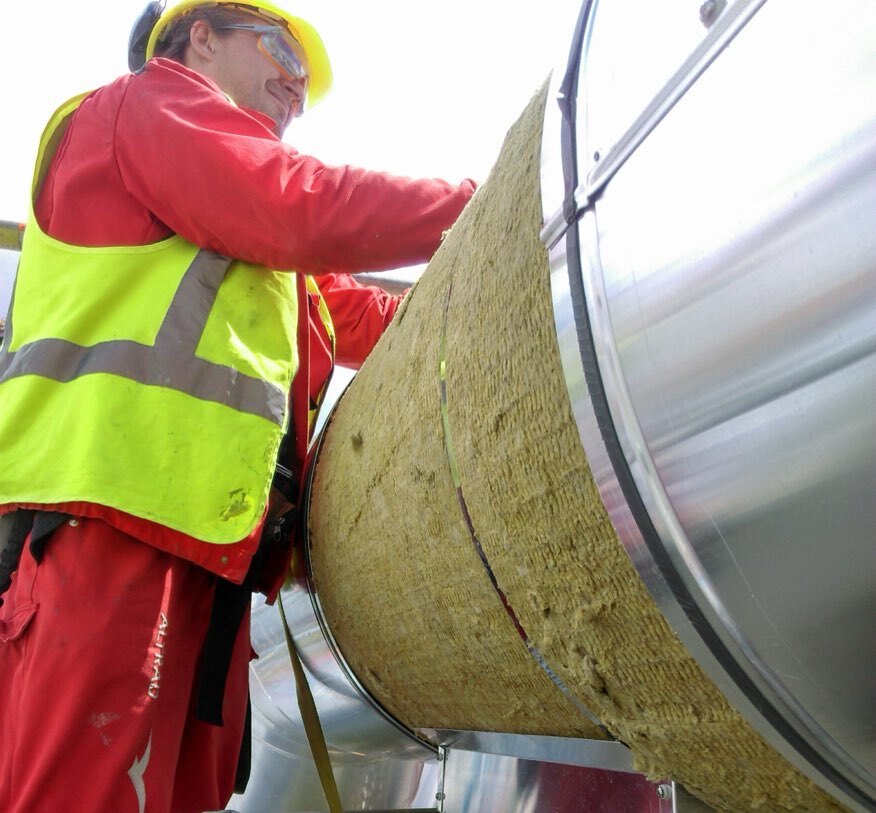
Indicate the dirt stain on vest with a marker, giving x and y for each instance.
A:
(239, 504)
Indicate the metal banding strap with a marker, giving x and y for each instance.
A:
(457, 483)
(171, 362)
(580, 197)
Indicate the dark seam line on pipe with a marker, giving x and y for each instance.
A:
(457, 483)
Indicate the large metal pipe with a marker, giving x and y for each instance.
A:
(713, 294)
(720, 272)
(700, 585)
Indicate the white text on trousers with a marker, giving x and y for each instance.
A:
(159, 657)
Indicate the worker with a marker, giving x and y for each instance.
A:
(183, 283)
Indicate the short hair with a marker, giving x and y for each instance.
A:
(175, 39)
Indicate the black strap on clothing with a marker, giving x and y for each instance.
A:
(19, 524)
(229, 605)
(45, 523)
(287, 483)
(40, 525)
(226, 614)
(244, 760)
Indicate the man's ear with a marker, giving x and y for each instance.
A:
(202, 40)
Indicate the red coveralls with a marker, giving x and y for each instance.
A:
(100, 639)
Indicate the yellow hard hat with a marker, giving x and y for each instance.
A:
(320, 69)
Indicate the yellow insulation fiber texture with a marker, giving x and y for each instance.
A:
(405, 593)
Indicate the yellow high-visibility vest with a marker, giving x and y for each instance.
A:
(325, 317)
(152, 379)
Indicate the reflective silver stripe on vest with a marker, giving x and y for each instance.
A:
(170, 362)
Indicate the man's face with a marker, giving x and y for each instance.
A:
(252, 80)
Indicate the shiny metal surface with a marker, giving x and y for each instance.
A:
(380, 767)
(391, 283)
(728, 261)
(11, 234)
(683, 802)
(478, 781)
(377, 765)
(656, 78)
(603, 754)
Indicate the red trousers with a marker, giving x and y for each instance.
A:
(99, 652)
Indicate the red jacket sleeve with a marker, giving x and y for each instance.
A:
(215, 174)
(360, 314)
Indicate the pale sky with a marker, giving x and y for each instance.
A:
(421, 89)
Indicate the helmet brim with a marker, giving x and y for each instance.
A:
(320, 77)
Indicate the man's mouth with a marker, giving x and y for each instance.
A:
(284, 102)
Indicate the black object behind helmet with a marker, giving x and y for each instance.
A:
(140, 33)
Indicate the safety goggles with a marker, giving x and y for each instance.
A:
(280, 49)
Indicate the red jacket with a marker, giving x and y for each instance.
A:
(164, 151)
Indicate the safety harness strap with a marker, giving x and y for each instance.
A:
(226, 615)
(14, 528)
(40, 525)
(310, 718)
(229, 605)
